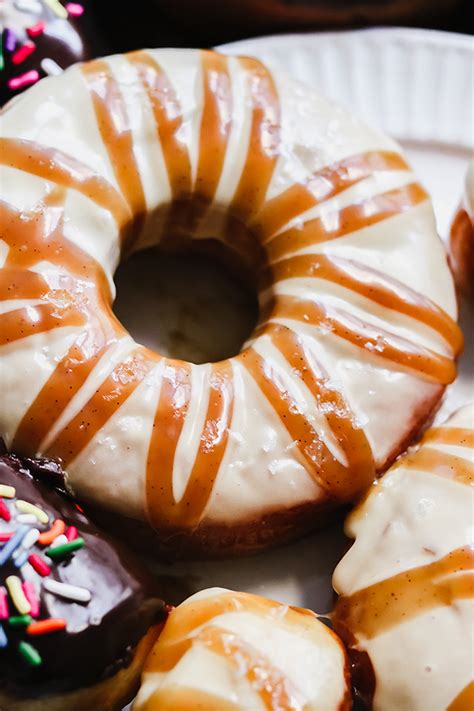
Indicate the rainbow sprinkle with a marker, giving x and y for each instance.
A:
(22, 597)
(57, 8)
(75, 9)
(23, 52)
(26, 79)
(30, 654)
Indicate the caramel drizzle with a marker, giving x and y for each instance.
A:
(107, 399)
(373, 285)
(344, 482)
(215, 125)
(21, 284)
(348, 220)
(322, 185)
(370, 612)
(326, 470)
(175, 395)
(440, 463)
(67, 172)
(114, 127)
(458, 436)
(182, 631)
(464, 701)
(168, 117)
(263, 149)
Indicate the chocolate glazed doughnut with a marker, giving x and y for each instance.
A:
(77, 616)
(40, 39)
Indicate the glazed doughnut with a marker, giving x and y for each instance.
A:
(407, 584)
(232, 651)
(38, 39)
(356, 340)
(77, 617)
(461, 246)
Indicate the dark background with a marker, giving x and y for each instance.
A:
(152, 23)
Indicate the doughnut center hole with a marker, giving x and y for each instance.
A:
(185, 305)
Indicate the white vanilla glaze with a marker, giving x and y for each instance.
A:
(232, 651)
(122, 153)
(407, 584)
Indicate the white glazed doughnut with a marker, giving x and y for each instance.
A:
(356, 340)
(232, 651)
(407, 583)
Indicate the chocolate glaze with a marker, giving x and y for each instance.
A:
(65, 41)
(100, 635)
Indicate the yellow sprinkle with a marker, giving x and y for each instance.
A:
(13, 584)
(8, 492)
(57, 8)
(26, 507)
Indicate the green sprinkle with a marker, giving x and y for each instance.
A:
(20, 620)
(30, 654)
(62, 551)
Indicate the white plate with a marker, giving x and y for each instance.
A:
(415, 85)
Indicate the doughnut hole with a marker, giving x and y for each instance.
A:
(191, 299)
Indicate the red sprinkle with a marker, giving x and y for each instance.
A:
(30, 594)
(4, 512)
(72, 533)
(56, 530)
(74, 9)
(4, 613)
(24, 80)
(46, 626)
(39, 565)
(36, 30)
(4, 537)
(23, 52)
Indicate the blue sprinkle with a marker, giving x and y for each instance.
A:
(3, 638)
(13, 544)
(21, 559)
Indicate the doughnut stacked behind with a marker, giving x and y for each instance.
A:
(406, 606)
(77, 617)
(170, 148)
(231, 651)
(461, 246)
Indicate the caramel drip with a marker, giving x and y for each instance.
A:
(38, 236)
(168, 117)
(458, 436)
(379, 607)
(328, 473)
(346, 221)
(464, 701)
(263, 149)
(175, 698)
(272, 686)
(182, 631)
(321, 186)
(114, 127)
(63, 170)
(21, 284)
(22, 323)
(440, 463)
(63, 384)
(373, 285)
(215, 125)
(346, 481)
(107, 399)
(164, 510)
(378, 342)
